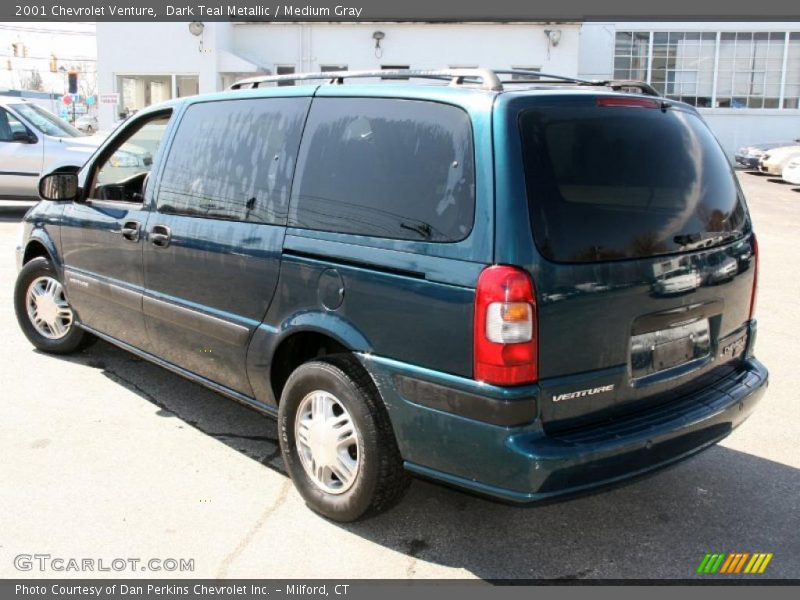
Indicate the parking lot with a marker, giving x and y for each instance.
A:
(106, 456)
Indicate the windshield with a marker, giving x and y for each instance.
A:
(46, 122)
(616, 182)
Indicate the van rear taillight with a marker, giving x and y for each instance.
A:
(754, 292)
(628, 101)
(505, 337)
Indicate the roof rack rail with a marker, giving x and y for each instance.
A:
(542, 77)
(486, 79)
(619, 84)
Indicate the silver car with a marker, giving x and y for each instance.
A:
(87, 124)
(33, 141)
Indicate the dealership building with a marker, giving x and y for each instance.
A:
(743, 77)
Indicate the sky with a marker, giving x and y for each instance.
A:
(73, 44)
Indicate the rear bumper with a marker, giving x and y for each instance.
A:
(523, 463)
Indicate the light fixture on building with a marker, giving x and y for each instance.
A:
(553, 36)
(196, 29)
(378, 36)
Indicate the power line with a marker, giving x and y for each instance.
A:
(59, 58)
(24, 29)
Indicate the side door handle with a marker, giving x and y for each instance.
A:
(160, 236)
(130, 231)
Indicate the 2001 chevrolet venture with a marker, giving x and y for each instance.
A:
(498, 284)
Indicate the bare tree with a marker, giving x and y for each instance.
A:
(33, 81)
(87, 79)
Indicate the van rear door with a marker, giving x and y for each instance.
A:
(641, 250)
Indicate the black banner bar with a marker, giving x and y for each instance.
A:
(397, 10)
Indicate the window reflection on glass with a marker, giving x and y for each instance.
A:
(399, 169)
(122, 176)
(234, 160)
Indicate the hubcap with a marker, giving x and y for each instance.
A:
(327, 442)
(48, 309)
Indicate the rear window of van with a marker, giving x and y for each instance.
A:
(616, 182)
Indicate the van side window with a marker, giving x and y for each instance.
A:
(124, 173)
(234, 160)
(401, 169)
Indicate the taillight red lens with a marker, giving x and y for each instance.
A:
(505, 327)
(627, 101)
(755, 278)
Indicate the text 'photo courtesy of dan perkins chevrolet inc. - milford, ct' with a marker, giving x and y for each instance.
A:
(186, 10)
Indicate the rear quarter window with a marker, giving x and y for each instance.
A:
(614, 182)
(388, 168)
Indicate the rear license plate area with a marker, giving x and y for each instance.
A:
(658, 351)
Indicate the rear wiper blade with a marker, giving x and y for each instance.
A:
(423, 229)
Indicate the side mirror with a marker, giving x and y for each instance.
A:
(59, 186)
(26, 137)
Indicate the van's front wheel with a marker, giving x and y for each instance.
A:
(43, 310)
(337, 441)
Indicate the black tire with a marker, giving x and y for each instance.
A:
(74, 340)
(381, 480)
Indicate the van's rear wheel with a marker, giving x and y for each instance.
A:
(43, 311)
(337, 441)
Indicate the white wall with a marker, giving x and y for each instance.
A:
(737, 128)
(422, 46)
(584, 50)
(596, 52)
(154, 49)
(169, 48)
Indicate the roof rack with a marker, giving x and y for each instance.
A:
(486, 79)
(538, 76)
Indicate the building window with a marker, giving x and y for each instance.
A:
(683, 66)
(791, 93)
(522, 76)
(285, 70)
(187, 85)
(630, 55)
(750, 65)
(395, 68)
(138, 91)
(710, 69)
(330, 68)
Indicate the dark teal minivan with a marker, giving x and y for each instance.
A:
(515, 283)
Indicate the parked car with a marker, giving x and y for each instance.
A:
(87, 124)
(776, 159)
(32, 141)
(748, 156)
(368, 263)
(791, 172)
(679, 281)
(720, 267)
